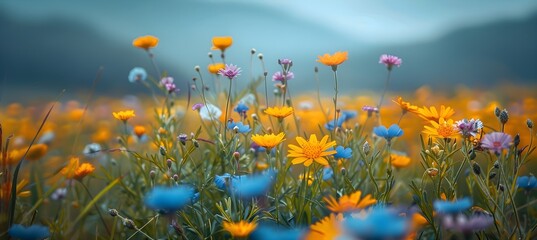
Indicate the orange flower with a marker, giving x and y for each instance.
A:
(213, 68)
(124, 115)
(139, 131)
(36, 152)
(239, 229)
(311, 150)
(145, 42)
(399, 161)
(430, 114)
(74, 170)
(405, 106)
(349, 202)
(333, 60)
(221, 43)
(326, 229)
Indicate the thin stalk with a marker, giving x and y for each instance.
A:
(227, 108)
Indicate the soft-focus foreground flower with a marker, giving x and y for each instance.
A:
(137, 74)
(169, 199)
(279, 112)
(333, 60)
(390, 61)
(350, 202)
(431, 114)
(326, 229)
(239, 229)
(388, 133)
(379, 223)
(210, 112)
(230, 71)
(92, 150)
(442, 129)
(268, 141)
(405, 106)
(221, 43)
(449, 207)
(215, 67)
(467, 224)
(124, 115)
(33, 232)
(400, 161)
(470, 127)
(36, 152)
(279, 76)
(311, 150)
(526, 182)
(496, 141)
(249, 186)
(276, 232)
(145, 42)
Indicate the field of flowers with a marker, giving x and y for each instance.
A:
(268, 161)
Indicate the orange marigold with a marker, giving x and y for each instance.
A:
(239, 229)
(145, 42)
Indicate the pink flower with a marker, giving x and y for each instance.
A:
(197, 106)
(166, 80)
(496, 141)
(279, 76)
(390, 61)
(230, 71)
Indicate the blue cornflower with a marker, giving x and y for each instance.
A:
(344, 116)
(276, 232)
(169, 199)
(32, 232)
(241, 127)
(241, 108)
(137, 74)
(328, 172)
(248, 186)
(448, 207)
(388, 134)
(220, 180)
(343, 152)
(526, 182)
(380, 223)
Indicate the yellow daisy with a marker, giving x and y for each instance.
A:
(326, 229)
(400, 161)
(279, 112)
(442, 129)
(405, 106)
(268, 141)
(124, 115)
(349, 202)
(431, 114)
(311, 150)
(239, 229)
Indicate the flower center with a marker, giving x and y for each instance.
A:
(445, 130)
(312, 151)
(497, 144)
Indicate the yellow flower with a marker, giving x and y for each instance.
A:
(268, 141)
(349, 202)
(399, 161)
(36, 152)
(76, 114)
(213, 68)
(221, 43)
(239, 229)
(145, 42)
(74, 170)
(326, 229)
(430, 114)
(405, 106)
(124, 115)
(279, 112)
(310, 177)
(333, 60)
(311, 150)
(442, 129)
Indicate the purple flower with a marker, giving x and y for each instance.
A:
(390, 61)
(197, 106)
(230, 71)
(171, 88)
(370, 110)
(468, 224)
(469, 127)
(166, 80)
(285, 61)
(496, 141)
(279, 76)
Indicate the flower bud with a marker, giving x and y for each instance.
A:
(476, 168)
(497, 112)
(529, 123)
(316, 69)
(129, 223)
(182, 138)
(472, 155)
(196, 143)
(432, 172)
(366, 147)
(260, 56)
(236, 156)
(343, 171)
(162, 151)
(492, 175)
(504, 116)
(113, 212)
(501, 187)
(197, 68)
(516, 140)
(497, 164)
(169, 163)
(210, 54)
(176, 177)
(236, 129)
(252, 51)
(152, 174)
(254, 117)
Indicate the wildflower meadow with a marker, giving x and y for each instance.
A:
(266, 160)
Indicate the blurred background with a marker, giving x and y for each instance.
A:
(46, 46)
